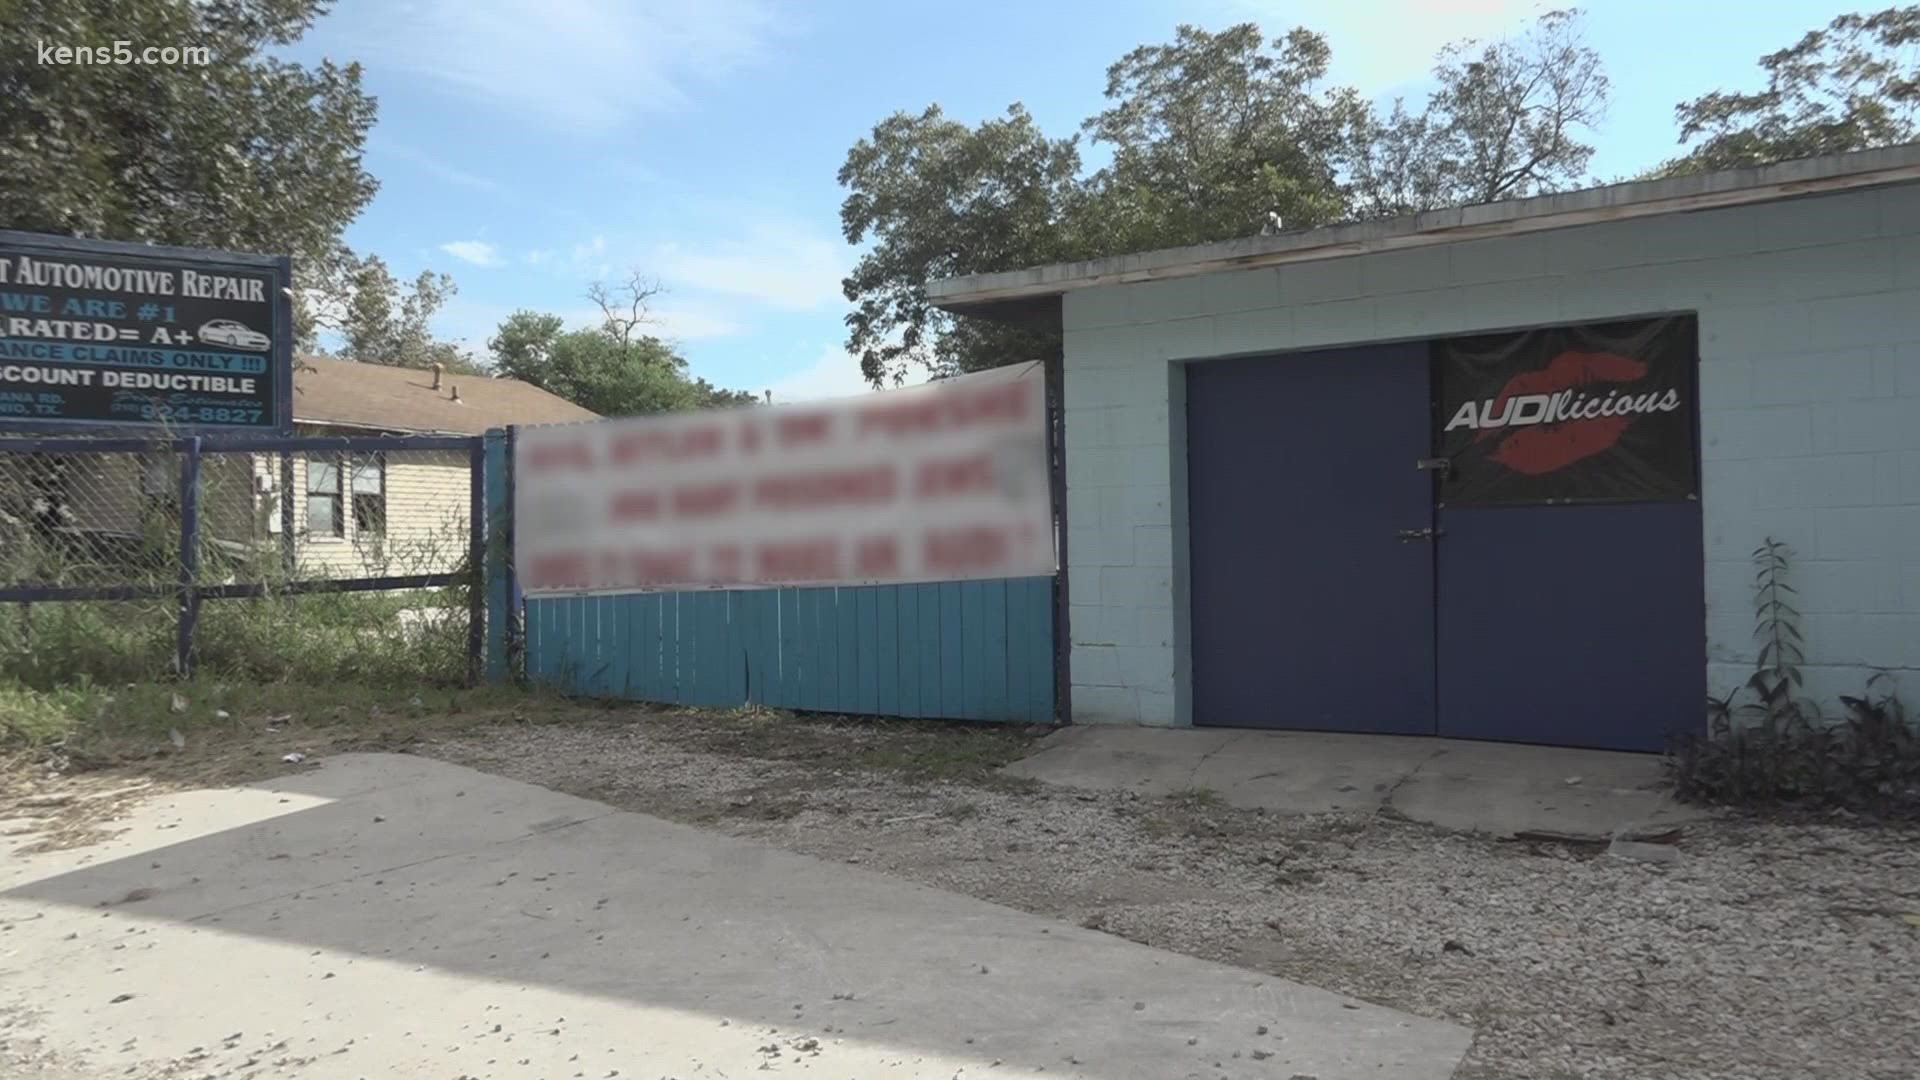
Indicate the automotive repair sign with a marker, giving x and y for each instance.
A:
(127, 334)
(938, 482)
(1601, 412)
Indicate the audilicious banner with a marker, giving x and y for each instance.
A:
(938, 482)
(1600, 412)
(96, 333)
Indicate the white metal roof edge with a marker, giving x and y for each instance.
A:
(1615, 202)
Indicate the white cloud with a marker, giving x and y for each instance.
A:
(477, 252)
(584, 65)
(589, 259)
(783, 266)
(1379, 63)
(833, 373)
(539, 256)
(590, 249)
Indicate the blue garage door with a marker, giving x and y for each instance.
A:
(1308, 607)
(1572, 625)
(1571, 574)
(1495, 537)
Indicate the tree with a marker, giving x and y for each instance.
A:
(1854, 85)
(248, 152)
(940, 199)
(1503, 123)
(380, 322)
(612, 369)
(1212, 133)
(1213, 136)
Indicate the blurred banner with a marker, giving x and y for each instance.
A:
(939, 482)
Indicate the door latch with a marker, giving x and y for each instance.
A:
(1443, 466)
(1420, 534)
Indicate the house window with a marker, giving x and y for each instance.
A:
(369, 486)
(323, 497)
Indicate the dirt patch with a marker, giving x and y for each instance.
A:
(1763, 950)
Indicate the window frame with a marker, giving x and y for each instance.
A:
(337, 495)
(352, 493)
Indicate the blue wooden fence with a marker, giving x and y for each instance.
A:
(976, 650)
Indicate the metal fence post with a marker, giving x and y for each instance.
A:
(189, 557)
(476, 558)
(499, 557)
(512, 608)
(1062, 598)
(289, 557)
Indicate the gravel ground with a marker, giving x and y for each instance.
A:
(1766, 950)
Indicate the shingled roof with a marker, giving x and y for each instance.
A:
(383, 398)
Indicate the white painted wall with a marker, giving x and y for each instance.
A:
(1810, 414)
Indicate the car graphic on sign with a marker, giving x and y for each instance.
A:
(234, 334)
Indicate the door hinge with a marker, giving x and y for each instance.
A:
(1420, 534)
(1441, 465)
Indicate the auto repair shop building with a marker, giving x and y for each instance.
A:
(1499, 471)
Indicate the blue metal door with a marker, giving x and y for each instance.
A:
(1308, 607)
(1572, 625)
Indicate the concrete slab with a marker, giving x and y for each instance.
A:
(1499, 788)
(401, 917)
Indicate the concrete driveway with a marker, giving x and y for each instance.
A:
(384, 915)
(1499, 788)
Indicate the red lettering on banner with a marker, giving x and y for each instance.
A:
(671, 567)
(548, 457)
(954, 476)
(876, 556)
(636, 505)
(805, 428)
(1008, 402)
(725, 561)
(908, 418)
(705, 500)
(829, 487)
(798, 560)
(558, 571)
(958, 550)
(750, 437)
(638, 446)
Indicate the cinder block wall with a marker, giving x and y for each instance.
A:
(1810, 414)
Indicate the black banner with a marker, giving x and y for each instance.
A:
(96, 333)
(1602, 412)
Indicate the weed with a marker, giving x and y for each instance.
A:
(1776, 748)
(406, 638)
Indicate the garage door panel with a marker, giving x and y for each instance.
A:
(1308, 610)
(1572, 625)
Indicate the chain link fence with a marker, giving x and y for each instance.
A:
(307, 558)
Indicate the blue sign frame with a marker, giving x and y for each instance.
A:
(278, 271)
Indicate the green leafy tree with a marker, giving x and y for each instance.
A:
(1213, 133)
(1853, 85)
(249, 152)
(1507, 120)
(613, 369)
(1213, 136)
(379, 321)
(939, 199)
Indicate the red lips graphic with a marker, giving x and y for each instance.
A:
(1544, 448)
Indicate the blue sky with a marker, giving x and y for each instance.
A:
(529, 147)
